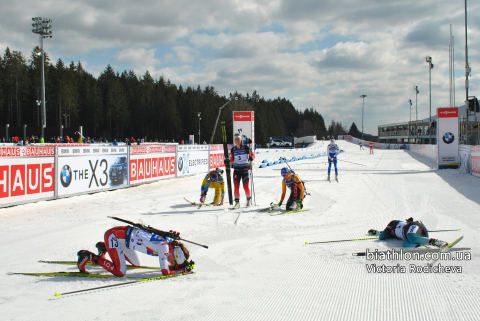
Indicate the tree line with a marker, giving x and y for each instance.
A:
(119, 105)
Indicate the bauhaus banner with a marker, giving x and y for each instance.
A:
(447, 138)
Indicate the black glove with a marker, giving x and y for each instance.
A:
(250, 158)
(190, 266)
(410, 220)
(372, 232)
(248, 141)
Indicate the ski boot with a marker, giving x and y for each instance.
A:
(102, 249)
(336, 177)
(328, 177)
(84, 257)
(249, 202)
(438, 243)
(237, 203)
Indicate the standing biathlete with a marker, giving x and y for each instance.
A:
(297, 189)
(332, 151)
(413, 233)
(371, 147)
(213, 179)
(123, 244)
(240, 159)
(361, 147)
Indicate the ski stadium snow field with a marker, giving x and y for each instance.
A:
(257, 266)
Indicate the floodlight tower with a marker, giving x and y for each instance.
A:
(363, 105)
(410, 101)
(42, 28)
(416, 111)
(430, 67)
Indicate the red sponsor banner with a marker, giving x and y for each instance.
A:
(152, 149)
(152, 168)
(216, 147)
(476, 165)
(242, 116)
(447, 112)
(24, 180)
(217, 159)
(19, 151)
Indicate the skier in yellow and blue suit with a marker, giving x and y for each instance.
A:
(214, 179)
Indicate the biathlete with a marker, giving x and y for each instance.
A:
(332, 151)
(413, 233)
(240, 159)
(123, 244)
(214, 179)
(361, 147)
(297, 189)
(371, 147)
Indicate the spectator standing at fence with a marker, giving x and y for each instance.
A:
(115, 143)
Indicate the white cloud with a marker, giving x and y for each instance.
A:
(320, 54)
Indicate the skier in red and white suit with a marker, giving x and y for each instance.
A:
(123, 244)
(371, 147)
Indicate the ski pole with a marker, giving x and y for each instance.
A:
(123, 283)
(369, 238)
(351, 162)
(445, 230)
(155, 231)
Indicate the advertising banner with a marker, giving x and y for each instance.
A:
(465, 158)
(85, 169)
(217, 158)
(192, 159)
(26, 174)
(151, 163)
(447, 138)
(244, 124)
(282, 142)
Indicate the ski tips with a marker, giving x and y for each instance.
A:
(306, 243)
(57, 294)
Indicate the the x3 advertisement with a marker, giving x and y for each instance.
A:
(90, 168)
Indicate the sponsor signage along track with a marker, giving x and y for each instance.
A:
(26, 174)
(83, 169)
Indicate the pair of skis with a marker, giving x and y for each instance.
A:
(274, 207)
(200, 205)
(94, 275)
(336, 178)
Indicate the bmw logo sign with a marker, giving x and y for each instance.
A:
(66, 176)
(180, 163)
(448, 138)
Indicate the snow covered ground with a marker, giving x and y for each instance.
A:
(257, 266)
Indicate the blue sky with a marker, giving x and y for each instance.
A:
(320, 54)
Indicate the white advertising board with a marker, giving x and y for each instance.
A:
(26, 174)
(447, 138)
(151, 163)
(84, 169)
(192, 159)
(244, 124)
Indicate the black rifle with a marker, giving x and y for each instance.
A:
(227, 164)
(149, 229)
